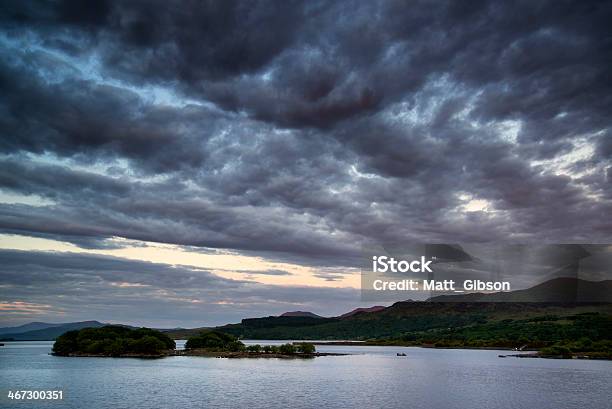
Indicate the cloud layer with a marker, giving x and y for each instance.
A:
(301, 131)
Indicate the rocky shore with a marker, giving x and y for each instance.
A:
(126, 355)
(573, 356)
(205, 353)
(245, 354)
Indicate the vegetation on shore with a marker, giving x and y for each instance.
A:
(556, 330)
(113, 341)
(584, 347)
(583, 329)
(587, 335)
(578, 332)
(216, 341)
(418, 318)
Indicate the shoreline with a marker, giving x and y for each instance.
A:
(204, 353)
(86, 355)
(573, 356)
(384, 344)
(530, 353)
(228, 354)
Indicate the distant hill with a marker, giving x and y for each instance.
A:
(184, 333)
(32, 326)
(402, 318)
(557, 297)
(557, 290)
(375, 308)
(49, 333)
(262, 324)
(558, 301)
(300, 314)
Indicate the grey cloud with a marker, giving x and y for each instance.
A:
(93, 122)
(304, 130)
(265, 272)
(83, 286)
(329, 277)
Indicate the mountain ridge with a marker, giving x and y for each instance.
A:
(300, 314)
(30, 326)
(557, 290)
(51, 332)
(362, 310)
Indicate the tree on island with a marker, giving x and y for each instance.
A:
(254, 348)
(287, 349)
(305, 348)
(113, 340)
(215, 341)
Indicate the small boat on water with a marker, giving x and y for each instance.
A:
(401, 354)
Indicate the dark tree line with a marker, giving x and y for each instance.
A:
(113, 340)
(219, 341)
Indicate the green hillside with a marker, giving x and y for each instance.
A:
(424, 321)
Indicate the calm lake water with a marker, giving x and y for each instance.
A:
(373, 377)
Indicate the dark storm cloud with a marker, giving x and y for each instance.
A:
(162, 212)
(89, 121)
(109, 286)
(306, 129)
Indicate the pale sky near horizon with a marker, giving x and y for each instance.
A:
(224, 264)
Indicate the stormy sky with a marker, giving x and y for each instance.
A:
(196, 162)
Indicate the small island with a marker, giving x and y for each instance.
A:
(221, 345)
(123, 342)
(114, 341)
